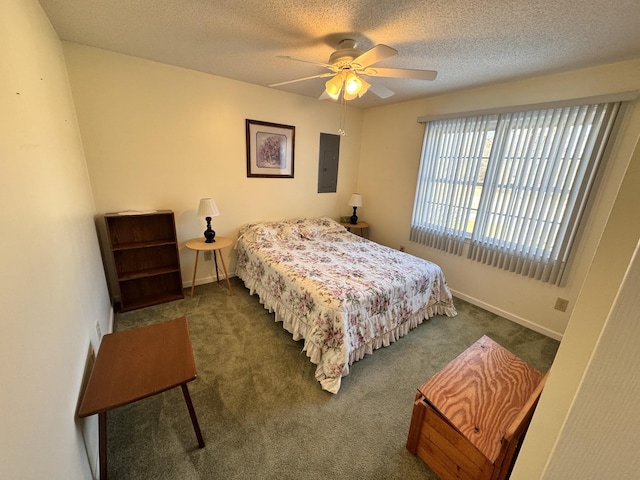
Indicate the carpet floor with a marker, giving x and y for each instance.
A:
(262, 413)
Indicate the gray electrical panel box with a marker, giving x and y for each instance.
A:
(328, 163)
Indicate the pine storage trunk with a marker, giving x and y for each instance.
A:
(469, 419)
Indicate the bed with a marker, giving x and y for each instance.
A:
(344, 295)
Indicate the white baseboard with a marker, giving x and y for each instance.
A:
(509, 316)
(490, 308)
(96, 466)
(204, 280)
(111, 319)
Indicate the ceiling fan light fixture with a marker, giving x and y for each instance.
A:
(352, 84)
(364, 86)
(347, 67)
(333, 86)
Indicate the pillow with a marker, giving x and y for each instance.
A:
(270, 231)
(313, 227)
(288, 231)
(265, 233)
(293, 229)
(309, 231)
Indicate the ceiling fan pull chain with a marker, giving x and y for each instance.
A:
(343, 110)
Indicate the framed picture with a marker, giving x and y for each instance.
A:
(270, 148)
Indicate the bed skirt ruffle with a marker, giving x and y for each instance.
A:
(330, 381)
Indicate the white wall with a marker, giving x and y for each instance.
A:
(52, 286)
(602, 433)
(390, 159)
(162, 137)
(587, 325)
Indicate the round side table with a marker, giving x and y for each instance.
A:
(199, 245)
(362, 226)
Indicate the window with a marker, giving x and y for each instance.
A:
(512, 186)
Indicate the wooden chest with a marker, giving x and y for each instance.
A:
(469, 419)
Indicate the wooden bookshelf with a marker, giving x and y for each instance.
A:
(144, 250)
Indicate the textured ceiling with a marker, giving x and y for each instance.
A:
(469, 42)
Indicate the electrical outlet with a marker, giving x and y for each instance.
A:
(207, 256)
(98, 330)
(402, 248)
(561, 304)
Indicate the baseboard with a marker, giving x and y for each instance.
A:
(96, 466)
(490, 308)
(111, 320)
(509, 316)
(204, 280)
(201, 281)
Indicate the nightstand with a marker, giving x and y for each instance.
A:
(362, 226)
(198, 244)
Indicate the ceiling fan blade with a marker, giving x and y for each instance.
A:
(374, 55)
(380, 90)
(320, 75)
(287, 57)
(403, 73)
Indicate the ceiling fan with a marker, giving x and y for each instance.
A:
(348, 65)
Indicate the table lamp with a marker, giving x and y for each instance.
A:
(208, 209)
(355, 201)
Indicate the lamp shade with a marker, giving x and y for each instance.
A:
(208, 208)
(352, 84)
(333, 86)
(355, 200)
(364, 86)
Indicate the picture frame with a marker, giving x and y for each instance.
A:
(270, 149)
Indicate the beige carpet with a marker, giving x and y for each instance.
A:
(264, 416)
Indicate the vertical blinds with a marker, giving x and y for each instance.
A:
(452, 152)
(514, 185)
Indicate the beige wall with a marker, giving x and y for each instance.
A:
(601, 435)
(162, 137)
(582, 348)
(390, 159)
(52, 287)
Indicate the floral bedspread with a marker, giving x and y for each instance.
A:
(346, 296)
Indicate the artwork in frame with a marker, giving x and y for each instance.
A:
(270, 149)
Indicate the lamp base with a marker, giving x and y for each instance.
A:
(354, 217)
(209, 234)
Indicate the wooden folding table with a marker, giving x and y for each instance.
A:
(136, 364)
